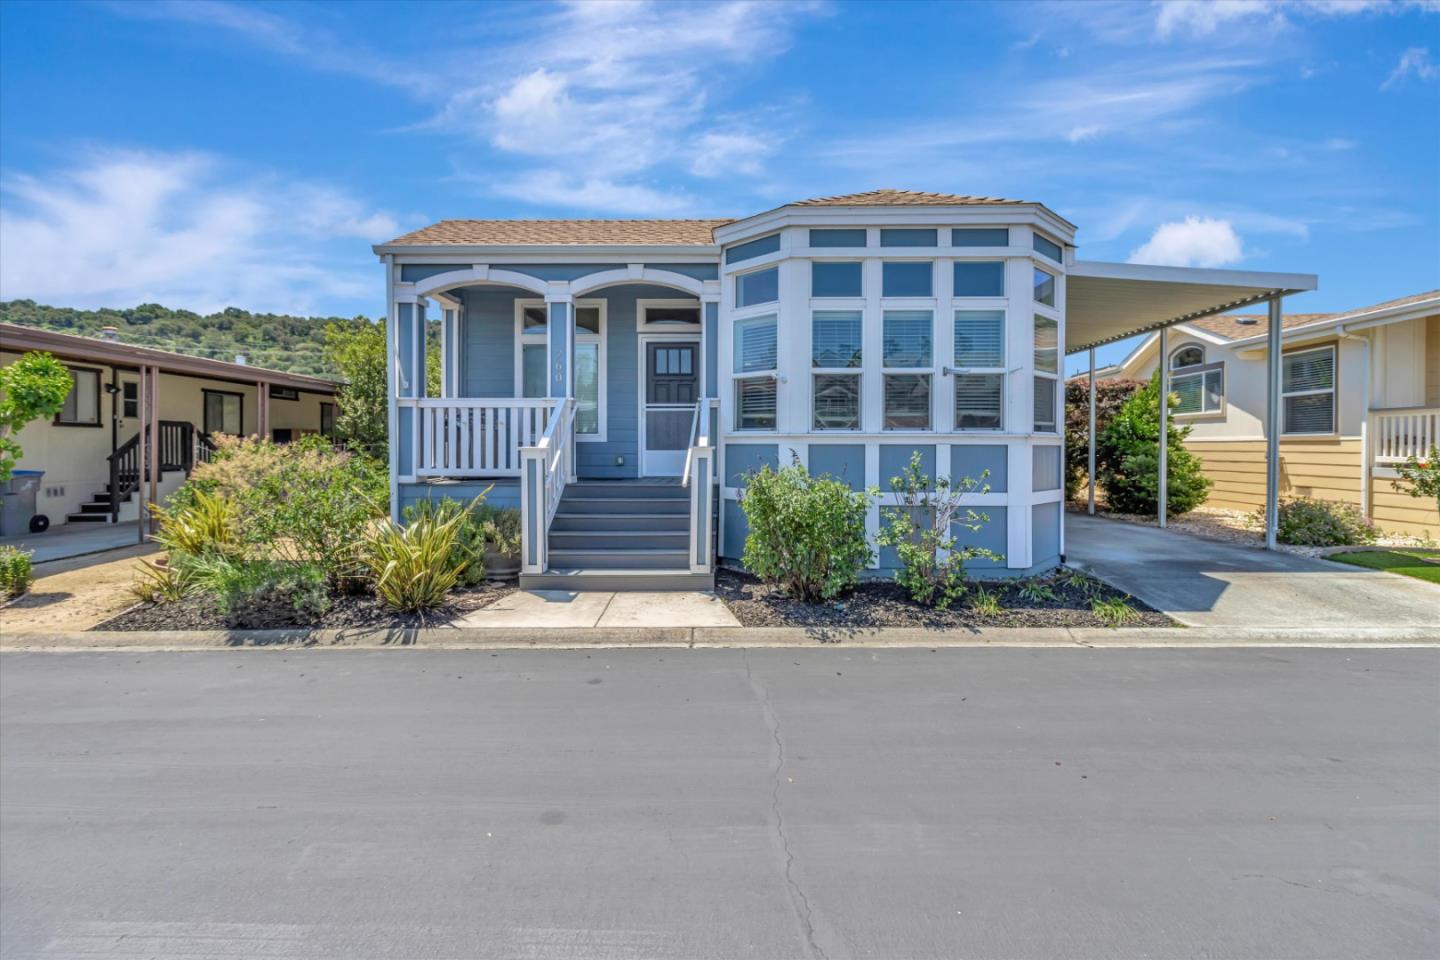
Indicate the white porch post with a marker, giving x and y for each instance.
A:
(1090, 456)
(560, 346)
(1164, 466)
(1272, 425)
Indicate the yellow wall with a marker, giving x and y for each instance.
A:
(1321, 469)
(1432, 361)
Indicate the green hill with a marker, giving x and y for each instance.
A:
(276, 341)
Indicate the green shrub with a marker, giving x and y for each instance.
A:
(1114, 612)
(502, 530)
(1127, 458)
(470, 536)
(1319, 523)
(262, 593)
(921, 529)
(16, 574)
(1110, 396)
(33, 387)
(807, 534)
(164, 580)
(305, 501)
(413, 567)
(200, 524)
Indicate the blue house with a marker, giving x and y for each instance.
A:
(617, 379)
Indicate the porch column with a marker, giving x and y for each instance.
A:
(710, 320)
(1090, 456)
(143, 396)
(407, 364)
(1272, 425)
(150, 492)
(560, 343)
(1163, 489)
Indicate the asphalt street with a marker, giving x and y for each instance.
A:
(833, 802)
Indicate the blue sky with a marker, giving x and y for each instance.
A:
(205, 154)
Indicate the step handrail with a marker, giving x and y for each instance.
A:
(546, 468)
(700, 467)
(124, 473)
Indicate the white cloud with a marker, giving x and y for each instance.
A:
(186, 230)
(721, 154)
(1204, 18)
(598, 193)
(1413, 62)
(1193, 242)
(1080, 134)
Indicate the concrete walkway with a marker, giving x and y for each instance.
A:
(75, 540)
(561, 608)
(1214, 584)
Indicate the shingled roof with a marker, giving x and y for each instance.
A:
(1243, 326)
(901, 198)
(563, 232)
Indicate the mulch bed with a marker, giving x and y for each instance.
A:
(883, 603)
(351, 611)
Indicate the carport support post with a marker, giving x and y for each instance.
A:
(1090, 463)
(1163, 489)
(1272, 425)
(143, 395)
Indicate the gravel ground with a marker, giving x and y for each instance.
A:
(198, 612)
(1237, 526)
(882, 603)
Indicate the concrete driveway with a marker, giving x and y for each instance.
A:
(1210, 583)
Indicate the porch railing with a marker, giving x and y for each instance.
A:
(1398, 434)
(548, 466)
(475, 436)
(699, 477)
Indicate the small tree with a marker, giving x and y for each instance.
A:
(921, 529)
(357, 352)
(807, 534)
(1110, 396)
(1420, 477)
(34, 386)
(1127, 458)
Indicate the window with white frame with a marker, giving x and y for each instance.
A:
(907, 368)
(835, 356)
(1307, 391)
(759, 286)
(1200, 386)
(669, 314)
(756, 373)
(532, 368)
(979, 369)
(1047, 372)
(1044, 287)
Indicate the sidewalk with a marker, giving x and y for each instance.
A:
(561, 608)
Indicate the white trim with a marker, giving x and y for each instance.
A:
(1260, 280)
(475, 276)
(643, 325)
(1333, 391)
(630, 274)
(643, 340)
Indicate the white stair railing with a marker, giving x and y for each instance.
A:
(545, 469)
(699, 477)
(1402, 433)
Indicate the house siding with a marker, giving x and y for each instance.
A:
(1323, 470)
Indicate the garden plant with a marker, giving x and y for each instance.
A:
(16, 574)
(32, 387)
(1420, 476)
(1127, 458)
(807, 534)
(1304, 522)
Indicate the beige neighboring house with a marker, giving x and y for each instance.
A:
(1360, 392)
(94, 441)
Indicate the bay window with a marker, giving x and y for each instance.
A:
(1047, 372)
(756, 373)
(762, 286)
(835, 356)
(979, 369)
(906, 368)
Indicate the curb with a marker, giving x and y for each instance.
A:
(717, 638)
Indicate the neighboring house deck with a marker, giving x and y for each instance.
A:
(92, 452)
(1360, 393)
(618, 380)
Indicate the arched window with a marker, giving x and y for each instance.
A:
(1190, 355)
(1199, 385)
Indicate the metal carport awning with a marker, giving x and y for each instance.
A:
(1105, 302)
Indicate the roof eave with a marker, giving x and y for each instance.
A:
(548, 250)
(875, 214)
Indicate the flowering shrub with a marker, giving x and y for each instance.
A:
(1421, 477)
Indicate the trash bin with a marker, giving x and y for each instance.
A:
(17, 513)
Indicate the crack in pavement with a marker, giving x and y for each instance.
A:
(798, 900)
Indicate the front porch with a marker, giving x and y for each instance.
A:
(550, 389)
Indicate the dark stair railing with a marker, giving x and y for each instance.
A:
(181, 447)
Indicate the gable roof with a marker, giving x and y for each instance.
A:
(1245, 326)
(563, 232)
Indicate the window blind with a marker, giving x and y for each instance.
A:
(755, 403)
(907, 401)
(1309, 370)
(1044, 405)
(837, 401)
(835, 337)
(1047, 354)
(979, 338)
(978, 397)
(907, 338)
(755, 344)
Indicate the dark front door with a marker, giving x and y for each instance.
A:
(672, 387)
